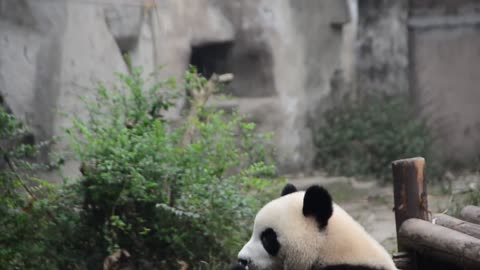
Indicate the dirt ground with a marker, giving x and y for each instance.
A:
(371, 204)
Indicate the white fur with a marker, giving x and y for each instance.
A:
(343, 241)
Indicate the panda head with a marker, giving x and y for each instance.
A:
(306, 230)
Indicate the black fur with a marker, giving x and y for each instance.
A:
(237, 267)
(318, 203)
(346, 267)
(289, 188)
(270, 242)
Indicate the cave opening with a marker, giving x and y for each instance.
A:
(211, 58)
(251, 64)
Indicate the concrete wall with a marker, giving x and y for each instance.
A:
(320, 25)
(381, 47)
(51, 54)
(430, 50)
(283, 54)
(445, 72)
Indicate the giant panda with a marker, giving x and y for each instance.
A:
(305, 230)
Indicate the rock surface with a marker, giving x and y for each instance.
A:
(124, 23)
(283, 55)
(382, 64)
(53, 53)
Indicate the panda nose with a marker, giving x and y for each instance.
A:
(243, 262)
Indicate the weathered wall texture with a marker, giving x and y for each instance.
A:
(52, 53)
(322, 36)
(283, 54)
(382, 48)
(445, 72)
(429, 49)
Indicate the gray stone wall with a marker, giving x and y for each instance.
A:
(445, 73)
(322, 37)
(381, 47)
(427, 49)
(283, 54)
(51, 54)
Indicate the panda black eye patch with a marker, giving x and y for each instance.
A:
(270, 242)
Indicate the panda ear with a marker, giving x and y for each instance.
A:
(289, 188)
(318, 203)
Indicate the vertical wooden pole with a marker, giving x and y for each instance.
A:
(409, 191)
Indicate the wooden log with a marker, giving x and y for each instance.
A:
(440, 243)
(410, 192)
(457, 225)
(471, 214)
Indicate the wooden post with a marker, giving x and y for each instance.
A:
(410, 192)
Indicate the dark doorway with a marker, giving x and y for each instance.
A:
(251, 64)
(211, 58)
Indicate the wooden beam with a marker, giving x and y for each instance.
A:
(440, 243)
(457, 225)
(410, 192)
(471, 213)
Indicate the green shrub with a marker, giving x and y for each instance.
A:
(166, 192)
(362, 138)
(163, 191)
(29, 233)
(16, 226)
